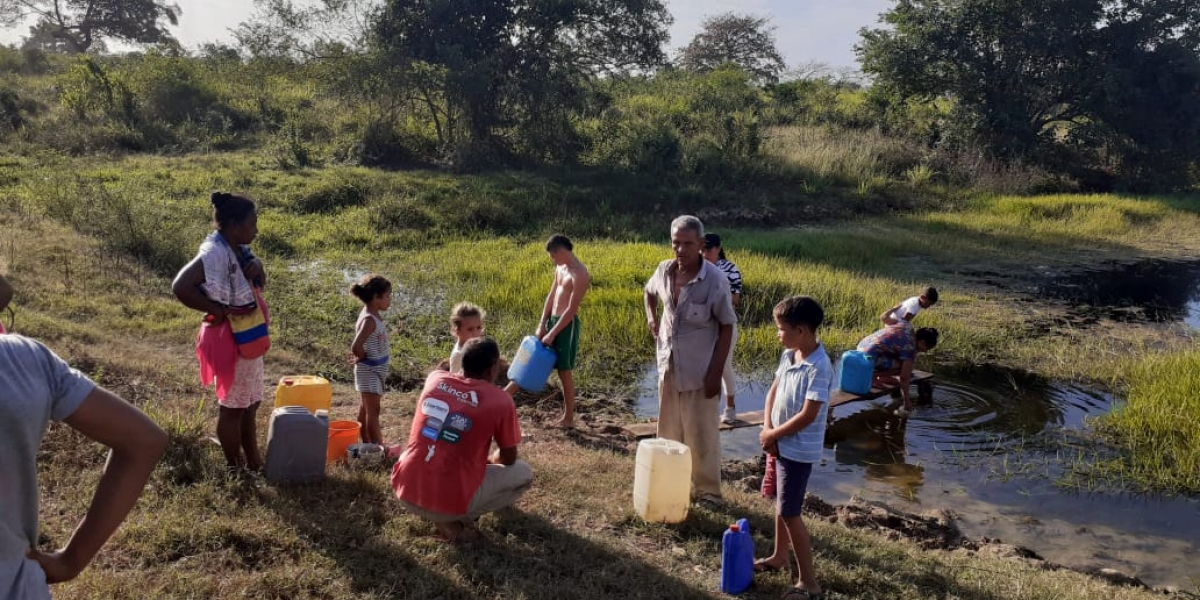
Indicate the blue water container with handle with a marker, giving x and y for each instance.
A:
(737, 558)
(531, 366)
(855, 371)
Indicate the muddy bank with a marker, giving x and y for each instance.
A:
(931, 530)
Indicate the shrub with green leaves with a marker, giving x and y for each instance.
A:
(15, 111)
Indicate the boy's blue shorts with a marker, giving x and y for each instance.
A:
(791, 483)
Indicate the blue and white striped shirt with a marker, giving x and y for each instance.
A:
(797, 382)
(732, 274)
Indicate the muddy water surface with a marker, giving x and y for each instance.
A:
(1152, 290)
(990, 447)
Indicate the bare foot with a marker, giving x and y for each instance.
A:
(564, 423)
(455, 532)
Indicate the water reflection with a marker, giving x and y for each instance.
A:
(1154, 290)
(973, 411)
(874, 440)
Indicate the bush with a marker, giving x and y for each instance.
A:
(69, 135)
(165, 101)
(172, 89)
(647, 148)
(847, 157)
(15, 111)
(380, 143)
(331, 197)
(704, 125)
(89, 88)
(148, 228)
(395, 214)
(25, 61)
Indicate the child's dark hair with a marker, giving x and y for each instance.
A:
(465, 310)
(800, 310)
(230, 209)
(930, 294)
(928, 335)
(557, 241)
(370, 287)
(479, 354)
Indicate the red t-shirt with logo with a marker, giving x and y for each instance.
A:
(446, 457)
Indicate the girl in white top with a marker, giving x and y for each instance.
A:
(371, 352)
(466, 323)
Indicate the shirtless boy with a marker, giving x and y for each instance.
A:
(559, 325)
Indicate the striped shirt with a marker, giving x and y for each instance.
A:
(796, 383)
(377, 347)
(733, 274)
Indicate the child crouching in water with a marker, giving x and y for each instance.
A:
(371, 352)
(794, 433)
(466, 324)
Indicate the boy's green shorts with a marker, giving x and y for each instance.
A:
(566, 344)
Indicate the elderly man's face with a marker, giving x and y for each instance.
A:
(687, 244)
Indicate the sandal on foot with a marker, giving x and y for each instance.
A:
(764, 566)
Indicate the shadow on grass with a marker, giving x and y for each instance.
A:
(354, 523)
(867, 573)
(346, 520)
(528, 556)
(875, 248)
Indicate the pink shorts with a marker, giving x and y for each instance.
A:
(248, 384)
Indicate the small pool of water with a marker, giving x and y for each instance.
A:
(990, 448)
(1152, 290)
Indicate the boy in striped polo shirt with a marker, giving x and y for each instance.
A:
(794, 433)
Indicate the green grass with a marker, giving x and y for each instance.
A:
(846, 157)
(102, 300)
(1160, 449)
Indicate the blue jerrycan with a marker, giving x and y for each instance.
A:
(531, 366)
(737, 558)
(855, 372)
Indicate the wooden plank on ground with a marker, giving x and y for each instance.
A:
(755, 418)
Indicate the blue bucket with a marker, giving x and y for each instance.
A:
(531, 366)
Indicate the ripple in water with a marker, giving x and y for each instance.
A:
(966, 452)
(974, 411)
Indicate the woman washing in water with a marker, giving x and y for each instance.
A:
(224, 281)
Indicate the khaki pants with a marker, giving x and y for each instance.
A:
(502, 486)
(690, 418)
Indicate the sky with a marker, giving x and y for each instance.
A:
(807, 31)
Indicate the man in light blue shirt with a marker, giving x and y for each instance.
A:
(794, 431)
(36, 387)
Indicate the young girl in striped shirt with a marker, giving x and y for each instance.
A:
(371, 352)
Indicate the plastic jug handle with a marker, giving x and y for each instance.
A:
(743, 525)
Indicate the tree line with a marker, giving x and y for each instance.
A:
(1105, 93)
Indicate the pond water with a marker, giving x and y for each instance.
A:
(990, 448)
(1150, 290)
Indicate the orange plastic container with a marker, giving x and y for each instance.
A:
(310, 391)
(341, 435)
